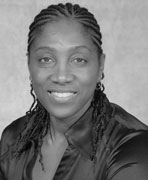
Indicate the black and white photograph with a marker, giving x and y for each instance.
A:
(73, 90)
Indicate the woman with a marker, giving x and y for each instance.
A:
(72, 131)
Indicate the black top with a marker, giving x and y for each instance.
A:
(122, 153)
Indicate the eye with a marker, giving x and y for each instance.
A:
(46, 60)
(79, 60)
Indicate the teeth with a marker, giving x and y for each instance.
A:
(62, 95)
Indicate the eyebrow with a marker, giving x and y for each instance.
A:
(82, 47)
(72, 48)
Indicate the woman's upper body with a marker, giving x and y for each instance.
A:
(121, 154)
(71, 131)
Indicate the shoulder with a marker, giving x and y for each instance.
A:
(11, 133)
(14, 128)
(130, 159)
(134, 147)
(126, 119)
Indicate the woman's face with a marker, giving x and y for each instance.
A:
(64, 68)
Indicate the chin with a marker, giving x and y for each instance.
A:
(62, 115)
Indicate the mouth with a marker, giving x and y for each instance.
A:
(62, 96)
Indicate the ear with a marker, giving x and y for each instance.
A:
(28, 58)
(28, 62)
(101, 66)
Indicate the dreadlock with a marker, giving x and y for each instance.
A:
(98, 117)
(35, 129)
(40, 125)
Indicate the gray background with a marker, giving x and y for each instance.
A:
(124, 25)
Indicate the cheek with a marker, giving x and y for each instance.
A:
(90, 76)
(38, 76)
(88, 82)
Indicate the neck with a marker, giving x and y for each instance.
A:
(60, 126)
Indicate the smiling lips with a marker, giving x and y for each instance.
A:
(62, 96)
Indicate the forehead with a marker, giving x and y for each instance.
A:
(64, 32)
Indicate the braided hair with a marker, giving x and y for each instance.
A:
(41, 119)
(59, 11)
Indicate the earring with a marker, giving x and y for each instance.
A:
(99, 87)
(98, 92)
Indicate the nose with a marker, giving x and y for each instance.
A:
(62, 74)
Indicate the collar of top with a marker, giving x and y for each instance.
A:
(80, 133)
